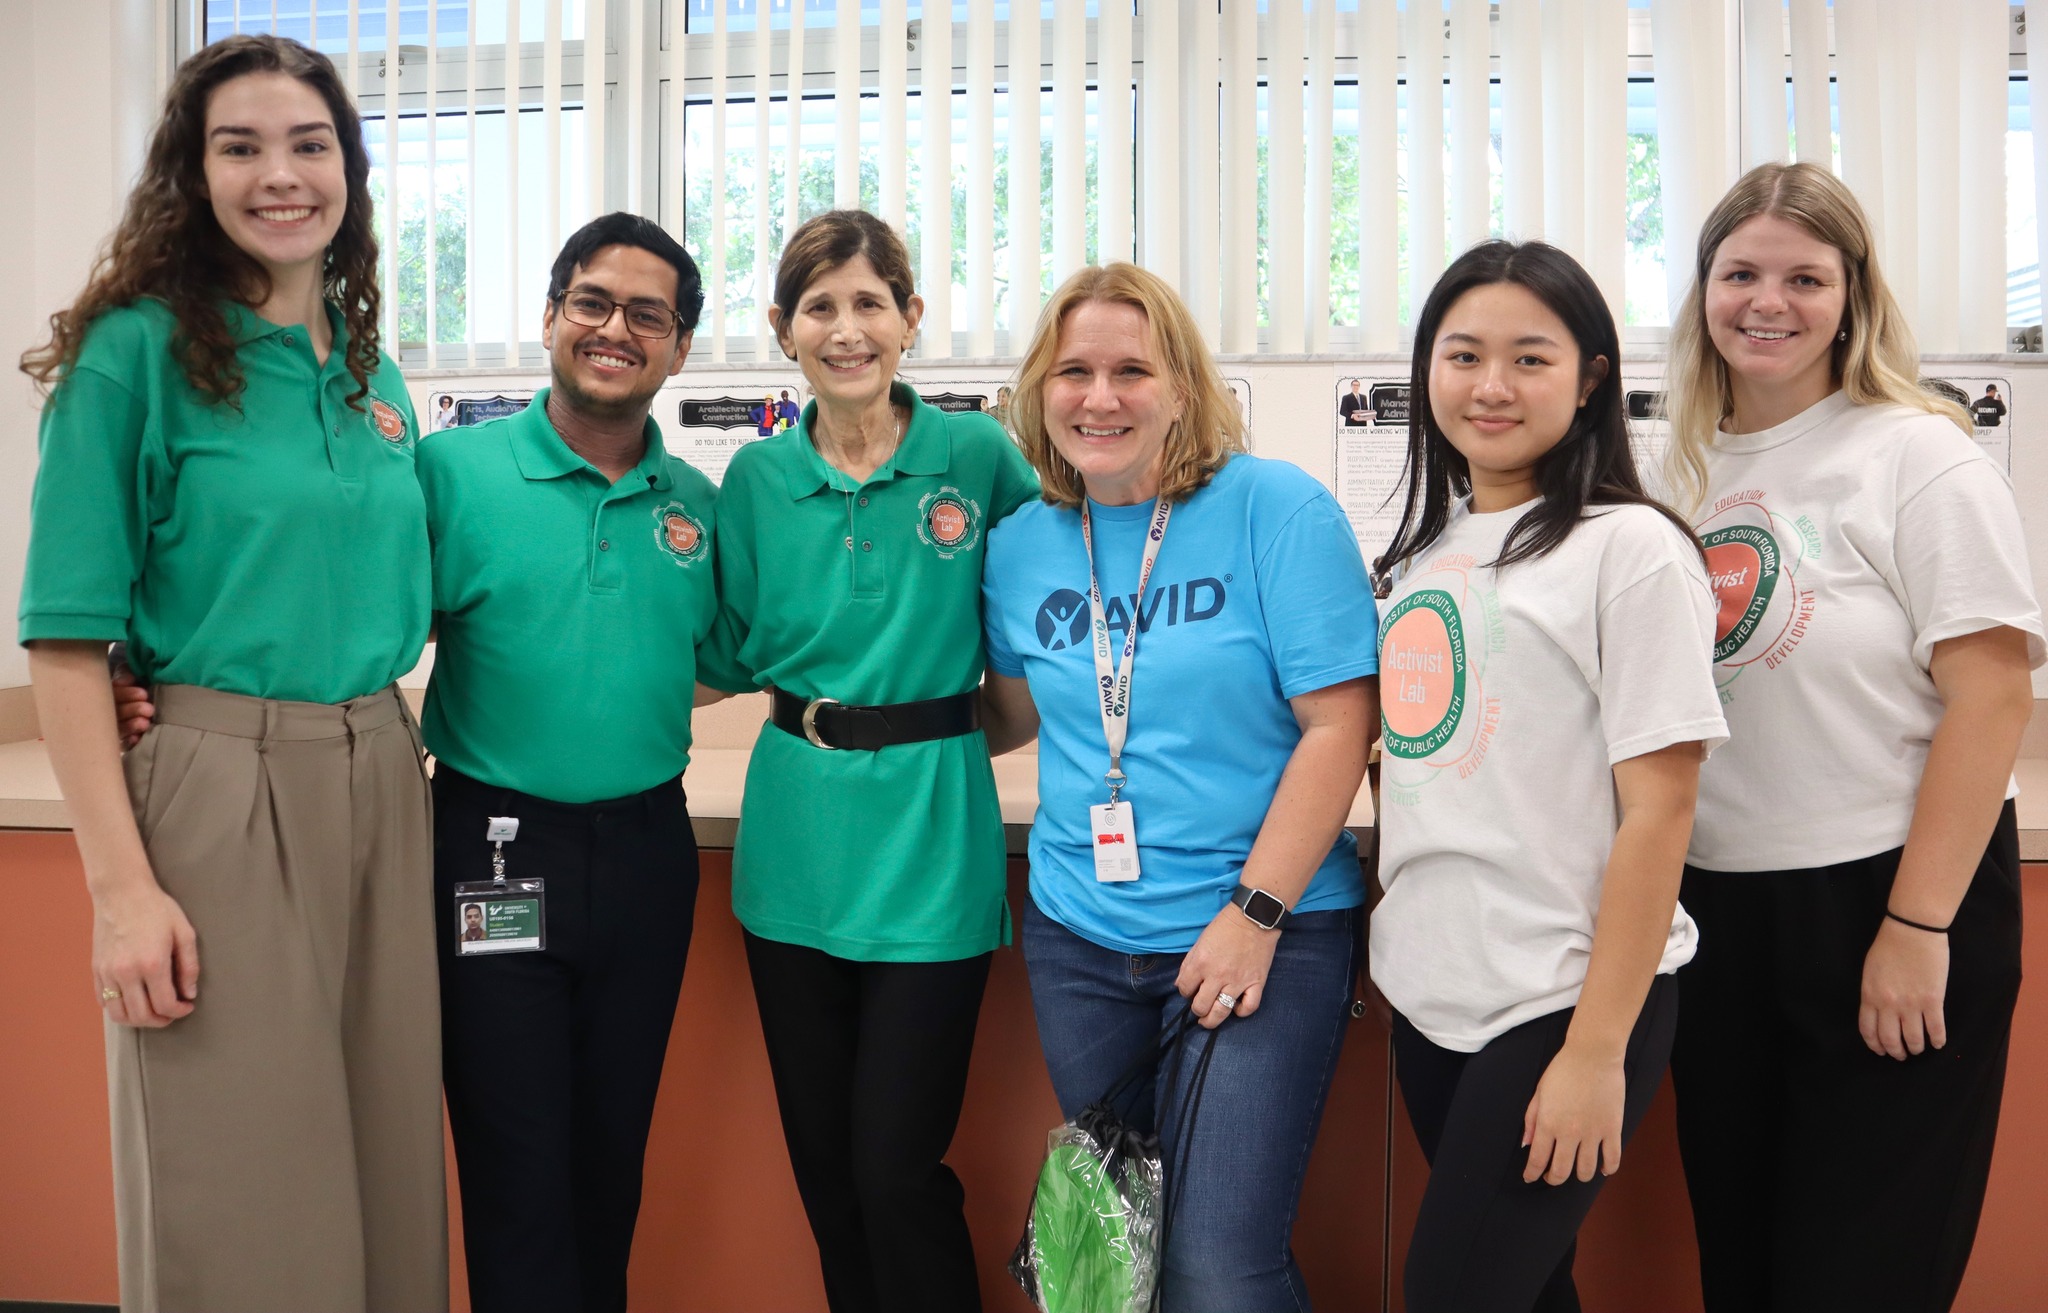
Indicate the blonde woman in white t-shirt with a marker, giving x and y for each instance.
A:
(1855, 866)
(1547, 697)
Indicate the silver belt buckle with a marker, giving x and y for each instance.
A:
(811, 722)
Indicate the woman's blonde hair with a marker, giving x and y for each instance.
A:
(1210, 428)
(1878, 363)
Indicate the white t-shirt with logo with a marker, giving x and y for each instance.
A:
(1843, 545)
(1507, 696)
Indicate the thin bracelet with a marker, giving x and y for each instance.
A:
(1917, 925)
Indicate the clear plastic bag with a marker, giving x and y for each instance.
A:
(1091, 1242)
(1100, 1218)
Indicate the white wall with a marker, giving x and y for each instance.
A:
(73, 76)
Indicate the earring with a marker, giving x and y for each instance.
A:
(1842, 336)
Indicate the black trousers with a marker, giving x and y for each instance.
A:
(1824, 1176)
(551, 1059)
(1486, 1241)
(870, 1067)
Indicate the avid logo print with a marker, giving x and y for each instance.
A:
(1062, 619)
(1742, 565)
(1422, 668)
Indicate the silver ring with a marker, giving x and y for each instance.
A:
(1229, 1001)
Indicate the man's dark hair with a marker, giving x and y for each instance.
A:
(621, 229)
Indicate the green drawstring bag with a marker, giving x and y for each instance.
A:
(1100, 1215)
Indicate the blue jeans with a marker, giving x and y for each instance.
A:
(1234, 1209)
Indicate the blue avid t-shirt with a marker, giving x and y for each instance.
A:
(1259, 595)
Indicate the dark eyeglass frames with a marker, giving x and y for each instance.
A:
(594, 310)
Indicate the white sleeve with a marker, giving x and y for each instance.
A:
(1962, 561)
(1656, 663)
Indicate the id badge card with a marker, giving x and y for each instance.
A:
(1116, 842)
(494, 916)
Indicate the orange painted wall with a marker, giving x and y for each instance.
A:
(722, 1230)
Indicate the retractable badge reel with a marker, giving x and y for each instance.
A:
(501, 914)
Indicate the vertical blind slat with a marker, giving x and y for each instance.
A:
(514, 76)
(894, 108)
(1763, 82)
(1159, 115)
(1026, 198)
(1284, 177)
(793, 98)
(1980, 166)
(2037, 114)
(1813, 138)
(764, 199)
(433, 122)
(1322, 163)
(1521, 117)
(1200, 94)
(1424, 47)
(472, 328)
(981, 181)
(719, 110)
(388, 220)
(1379, 144)
(1564, 124)
(1069, 138)
(936, 216)
(1239, 162)
(1113, 132)
(1938, 182)
(846, 106)
(1471, 137)
(1899, 69)
(551, 115)
(1606, 149)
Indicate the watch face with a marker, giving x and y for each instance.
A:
(1264, 908)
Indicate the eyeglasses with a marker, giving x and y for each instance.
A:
(594, 310)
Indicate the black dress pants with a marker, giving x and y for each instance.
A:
(870, 1067)
(551, 1059)
(1825, 1177)
(1486, 1241)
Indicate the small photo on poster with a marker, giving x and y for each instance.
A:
(457, 410)
(1988, 401)
(705, 423)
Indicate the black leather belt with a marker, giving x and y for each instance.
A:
(829, 724)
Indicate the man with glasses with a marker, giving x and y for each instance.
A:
(572, 580)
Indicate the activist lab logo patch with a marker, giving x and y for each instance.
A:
(1422, 669)
(680, 533)
(948, 522)
(385, 418)
(1742, 564)
(1062, 620)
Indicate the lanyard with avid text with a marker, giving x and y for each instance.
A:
(1113, 686)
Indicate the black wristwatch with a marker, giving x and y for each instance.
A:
(1260, 908)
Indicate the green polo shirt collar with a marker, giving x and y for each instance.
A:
(925, 449)
(246, 326)
(541, 453)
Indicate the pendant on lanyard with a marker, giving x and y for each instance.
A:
(1113, 827)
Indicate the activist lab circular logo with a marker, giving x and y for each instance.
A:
(1062, 620)
(948, 522)
(680, 533)
(1422, 673)
(1742, 564)
(384, 417)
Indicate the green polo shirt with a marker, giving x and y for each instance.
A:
(571, 608)
(868, 592)
(276, 549)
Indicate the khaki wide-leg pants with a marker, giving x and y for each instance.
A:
(280, 1148)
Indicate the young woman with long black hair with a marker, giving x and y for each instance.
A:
(1547, 698)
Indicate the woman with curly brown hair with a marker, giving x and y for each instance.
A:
(227, 486)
